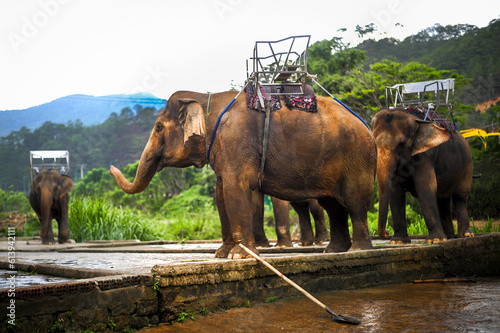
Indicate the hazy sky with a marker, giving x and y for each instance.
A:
(53, 48)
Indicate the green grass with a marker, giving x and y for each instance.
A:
(94, 219)
(191, 219)
(488, 227)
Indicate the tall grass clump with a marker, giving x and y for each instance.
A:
(415, 222)
(94, 219)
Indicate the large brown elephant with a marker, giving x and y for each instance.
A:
(329, 155)
(430, 162)
(49, 199)
(281, 210)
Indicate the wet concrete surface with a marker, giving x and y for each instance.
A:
(123, 257)
(411, 307)
(24, 279)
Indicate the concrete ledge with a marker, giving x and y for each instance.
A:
(119, 302)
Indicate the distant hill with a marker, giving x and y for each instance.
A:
(467, 49)
(90, 110)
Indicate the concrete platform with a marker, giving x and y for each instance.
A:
(130, 285)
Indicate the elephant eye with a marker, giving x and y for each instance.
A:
(159, 127)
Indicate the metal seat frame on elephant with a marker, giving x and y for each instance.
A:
(280, 67)
(426, 96)
(49, 159)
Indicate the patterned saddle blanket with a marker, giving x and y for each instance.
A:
(292, 99)
(432, 116)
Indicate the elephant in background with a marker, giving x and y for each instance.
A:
(49, 199)
(282, 223)
(329, 155)
(430, 162)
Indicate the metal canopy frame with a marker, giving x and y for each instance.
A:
(49, 159)
(428, 94)
(280, 65)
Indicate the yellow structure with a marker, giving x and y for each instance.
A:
(468, 133)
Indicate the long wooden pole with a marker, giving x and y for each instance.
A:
(339, 318)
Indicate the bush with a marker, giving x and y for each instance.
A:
(13, 201)
(484, 201)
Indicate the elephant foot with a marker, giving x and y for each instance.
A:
(223, 251)
(48, 241)
(400, 240)
(63, 240)
(364, 245)
(337, 247)
(262, 244)
(238, 253)
(466, 234)
(284, 243)
(435, 240)
(383, 234)
(306, 242)
(320, 239)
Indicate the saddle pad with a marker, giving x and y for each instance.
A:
(432, 116)
(306, 102)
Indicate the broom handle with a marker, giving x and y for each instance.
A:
(282, 276)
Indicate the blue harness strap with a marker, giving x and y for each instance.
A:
(217, 126)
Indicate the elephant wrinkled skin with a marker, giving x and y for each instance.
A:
(49, 199)
(432, 164)
(329, 155)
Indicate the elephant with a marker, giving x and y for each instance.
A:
(282, 223)
(49, 199)
(429, 161)
(329, 155)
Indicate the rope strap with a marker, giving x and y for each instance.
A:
(218, 122)
(313, 78)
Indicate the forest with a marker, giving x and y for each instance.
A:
(355, 75)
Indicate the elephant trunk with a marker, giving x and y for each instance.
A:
(46, 197)
(385, 171)
(148, 165)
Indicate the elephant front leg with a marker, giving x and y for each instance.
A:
(426, 187)
(240, 207)
(62, 223)
(398, 211)
(227, 237)
(46, 233)
(258, 224)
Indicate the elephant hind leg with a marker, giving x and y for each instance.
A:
(306, 231)
(339, 227)
(281, 209)
(444, 205)
(319, 222)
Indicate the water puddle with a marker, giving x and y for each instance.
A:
(23, 279)
(424, 307)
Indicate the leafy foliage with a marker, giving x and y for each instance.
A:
(13, 201)
(484, 201)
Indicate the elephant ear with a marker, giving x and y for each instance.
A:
(67, 185)
(428, 136)
(191, 117)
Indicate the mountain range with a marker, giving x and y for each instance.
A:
(90, 110)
